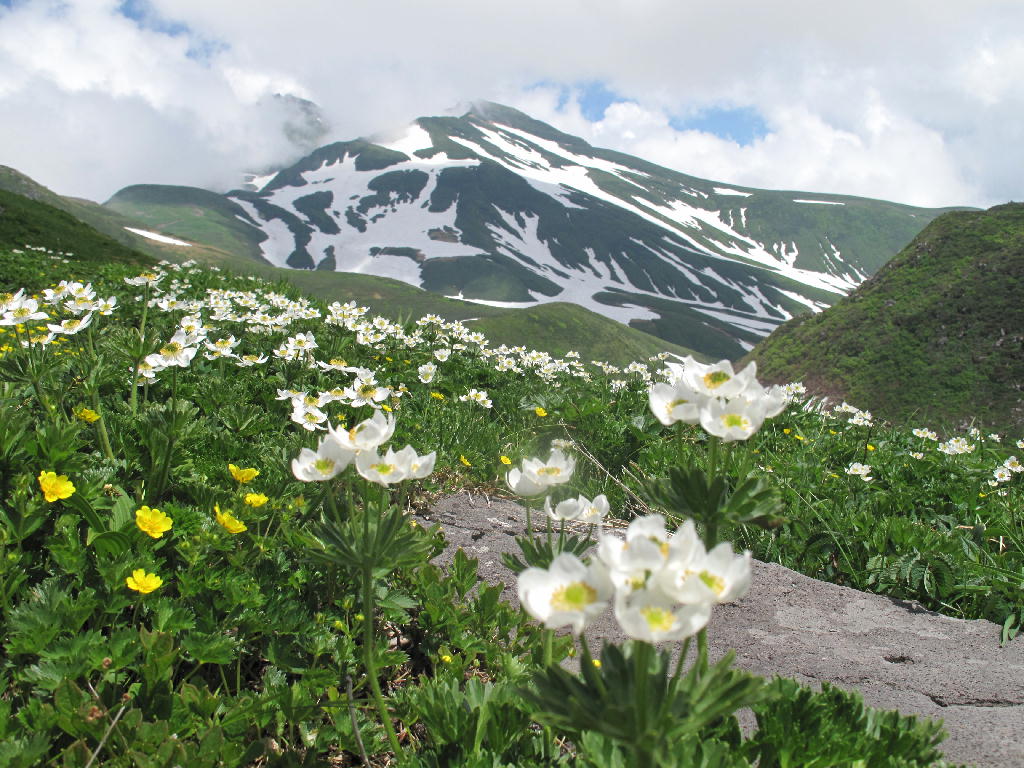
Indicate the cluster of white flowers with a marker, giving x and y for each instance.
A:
(1005, 471)
(955, 446)
(361, 444)
(477, 396)
(661, 586)
(307, 409)
(857, 416)
(17, 308)
(927, 434)
(730, 405)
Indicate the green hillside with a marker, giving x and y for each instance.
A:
(936, 335)
(29, 222)
(192, 214)
(110, 222)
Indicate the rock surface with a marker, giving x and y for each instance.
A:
(896, 653)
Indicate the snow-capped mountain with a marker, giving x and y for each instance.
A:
(496, 207)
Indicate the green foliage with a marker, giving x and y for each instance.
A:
(632, 699)
(798, 727)
(323, 628)
(936, 335)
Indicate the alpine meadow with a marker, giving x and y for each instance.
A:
(223, 418)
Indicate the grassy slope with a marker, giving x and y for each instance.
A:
(937, 334)
(189, 213)
(109, 222)
(29, 222)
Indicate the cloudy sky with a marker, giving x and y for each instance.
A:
(917, 101)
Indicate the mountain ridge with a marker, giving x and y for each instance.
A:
(496, 206)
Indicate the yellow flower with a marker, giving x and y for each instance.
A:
(506, 460)
(143, 582)
(799, 437)
(465, 461)
(596, 663)
(87, 414)
(255, 499)
(55, 486)
(445, 658)
(227, 521)
(540, 412)
(152, 522)
(870, 447)
(437, 395)
(786, 431)
(386, 407)
(243, 475)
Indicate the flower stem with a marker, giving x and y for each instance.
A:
(101, 427)
(368, 661)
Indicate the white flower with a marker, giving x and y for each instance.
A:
(309, 417)
(366, 435)
(366, 392)
(383, 470)
(1002, 474)
(477, 396)
(22, 311)
(654, 617)
(691, 576)
(146, 278)
(442, 354)
(245, 361)
(566, 593)
(916, 455)
(105, 306)
(735, 419)
(862, 470)
(676, 402)
(71, 326)
(633, 563)
(1013, 465)
(329, 459)
(524, 485)
(10, 300)
(426, 372)
(581, 509)
(417, 467)
(175, 352)
(718, 380)
(925, 433)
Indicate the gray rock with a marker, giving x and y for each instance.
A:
(897, 654)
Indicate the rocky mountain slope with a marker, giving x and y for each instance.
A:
(496, 207)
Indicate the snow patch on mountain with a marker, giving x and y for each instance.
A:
(158, 237)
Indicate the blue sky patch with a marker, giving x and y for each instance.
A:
(744, 125)
(145, 16)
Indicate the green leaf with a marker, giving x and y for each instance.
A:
(111, 544)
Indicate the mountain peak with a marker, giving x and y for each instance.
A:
(496, 206)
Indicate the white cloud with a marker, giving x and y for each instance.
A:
(913, 100)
